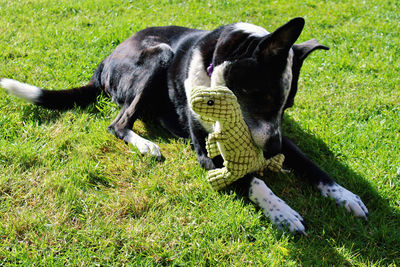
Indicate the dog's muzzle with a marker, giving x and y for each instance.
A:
(273, 146)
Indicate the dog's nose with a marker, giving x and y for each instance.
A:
(273, 146)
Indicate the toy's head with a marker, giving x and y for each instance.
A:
(214, 103)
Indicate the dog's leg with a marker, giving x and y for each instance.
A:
(198, 137)
(275, 208)
(303, 166)
(345, 198)
(136, 77)
(123, 123)
(201, 152)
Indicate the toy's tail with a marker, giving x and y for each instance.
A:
(57, 99)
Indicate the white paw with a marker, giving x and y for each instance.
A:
(275, 208)
(344, 197)
(283, 215)
(144, 146)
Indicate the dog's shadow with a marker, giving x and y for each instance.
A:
(39, 115)
(334, 235)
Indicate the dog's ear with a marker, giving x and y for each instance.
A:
(281, 40)
(304, 49)
(301, 51)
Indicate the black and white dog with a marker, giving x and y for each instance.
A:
(150, 75)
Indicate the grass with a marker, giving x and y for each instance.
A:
(71, 193)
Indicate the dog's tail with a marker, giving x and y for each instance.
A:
(55, 99)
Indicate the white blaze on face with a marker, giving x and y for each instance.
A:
(251, 29)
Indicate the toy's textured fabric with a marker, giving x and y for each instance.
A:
(231, 137)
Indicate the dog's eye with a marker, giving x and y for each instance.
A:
(210, 102)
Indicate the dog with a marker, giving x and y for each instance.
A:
(150, 76)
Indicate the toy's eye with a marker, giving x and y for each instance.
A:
(210, 102)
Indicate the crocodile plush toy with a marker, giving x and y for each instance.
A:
(231, 137)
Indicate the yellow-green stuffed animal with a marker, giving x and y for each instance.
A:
(231, 137)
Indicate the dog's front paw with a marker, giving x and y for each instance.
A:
(275, 208)
(284, 216)
(344, 197)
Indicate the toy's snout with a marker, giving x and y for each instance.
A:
(212, 102)
(204, 105)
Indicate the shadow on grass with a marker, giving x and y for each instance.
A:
(157, 132)
(39, 115)
(333, 234)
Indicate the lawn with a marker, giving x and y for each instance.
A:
(71, 193)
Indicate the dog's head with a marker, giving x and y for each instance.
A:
(262, 70)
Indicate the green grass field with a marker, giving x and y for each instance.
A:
(71, 193)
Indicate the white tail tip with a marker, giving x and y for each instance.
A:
(25, 91)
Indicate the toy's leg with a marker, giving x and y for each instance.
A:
(212, 148)
(275, 208)
(275, 164)
(220, 178)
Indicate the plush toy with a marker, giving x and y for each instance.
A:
(231, 137)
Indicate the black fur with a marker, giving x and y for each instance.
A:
(67, 99)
